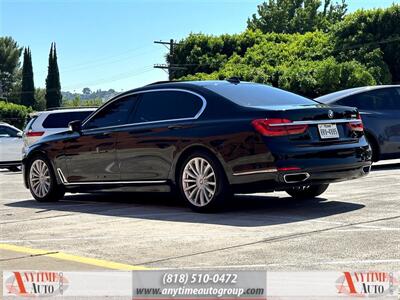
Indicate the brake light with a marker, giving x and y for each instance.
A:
(356, 125)
(34, 133)
(277, 127)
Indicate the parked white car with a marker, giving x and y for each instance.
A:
(10, 147)
(52, 121)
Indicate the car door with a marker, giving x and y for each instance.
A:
(90, 155)
(161, 120)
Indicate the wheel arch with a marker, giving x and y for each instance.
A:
(190, 149)
(373, 141)
(28, 159)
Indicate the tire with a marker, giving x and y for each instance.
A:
(202, 182)
(307, 191)
(374, 147)
(42, 181)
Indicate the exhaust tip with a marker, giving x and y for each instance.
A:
(296, 177)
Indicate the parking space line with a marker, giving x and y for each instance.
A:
(74, 258)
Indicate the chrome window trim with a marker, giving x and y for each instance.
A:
(203, 107)
(332, 121)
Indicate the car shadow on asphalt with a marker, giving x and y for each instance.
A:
(242, 210)
(385, 167)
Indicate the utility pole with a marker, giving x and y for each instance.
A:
(170, 66)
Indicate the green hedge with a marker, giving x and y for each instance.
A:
(14, 114)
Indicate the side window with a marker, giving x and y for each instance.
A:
(8, 132)
(4, 132)
(116, 113)
(381, 99)
(397, 99)
(166, 105)
(349, 101)
(61, 120)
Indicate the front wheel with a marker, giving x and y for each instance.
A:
(307, 191)
(42, 182)
(202, 183)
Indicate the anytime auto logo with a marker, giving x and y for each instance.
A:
(367, 284)
(36, 284)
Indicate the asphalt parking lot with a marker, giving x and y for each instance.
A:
(355, 225)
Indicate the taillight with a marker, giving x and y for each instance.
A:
(34, 133)
(356, 125)
(277, 127)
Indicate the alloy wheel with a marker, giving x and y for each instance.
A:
(39, 178)
(199, 181)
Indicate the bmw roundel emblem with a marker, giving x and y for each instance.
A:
(330, 114)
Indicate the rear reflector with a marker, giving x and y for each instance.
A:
(356, 125)
(34, 133)
(289, 169)
(277, 127)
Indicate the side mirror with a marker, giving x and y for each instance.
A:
(75, 126)
(19, 134)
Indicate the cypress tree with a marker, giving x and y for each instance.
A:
(53, 86)
(27, 86)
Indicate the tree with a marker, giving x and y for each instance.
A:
(40, 99)
(301, 63)
(9, 65)
(53, 86)
(371, 35)
(27, 86)
(296, 16)
(86, 91)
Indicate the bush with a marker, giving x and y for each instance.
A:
(14, 114)
(301, 63)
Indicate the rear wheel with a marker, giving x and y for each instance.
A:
(374, 147)
(202, 183)
(42, 182)
(307, 191)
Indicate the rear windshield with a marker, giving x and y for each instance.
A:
(258, 95)
(61, 120)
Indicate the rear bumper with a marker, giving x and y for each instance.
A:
(278, 181)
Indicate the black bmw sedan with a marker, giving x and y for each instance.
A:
(205, 140)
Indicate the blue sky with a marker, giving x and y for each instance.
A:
(109, 44)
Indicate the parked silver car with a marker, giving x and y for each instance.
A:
(10, 147)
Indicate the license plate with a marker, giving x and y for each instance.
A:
(328, 131)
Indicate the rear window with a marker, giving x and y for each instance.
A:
(30, 123)
(258, 95)
(61, 120)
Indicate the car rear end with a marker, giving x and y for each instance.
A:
(50, 122)
(296, 141)
(315, 145)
